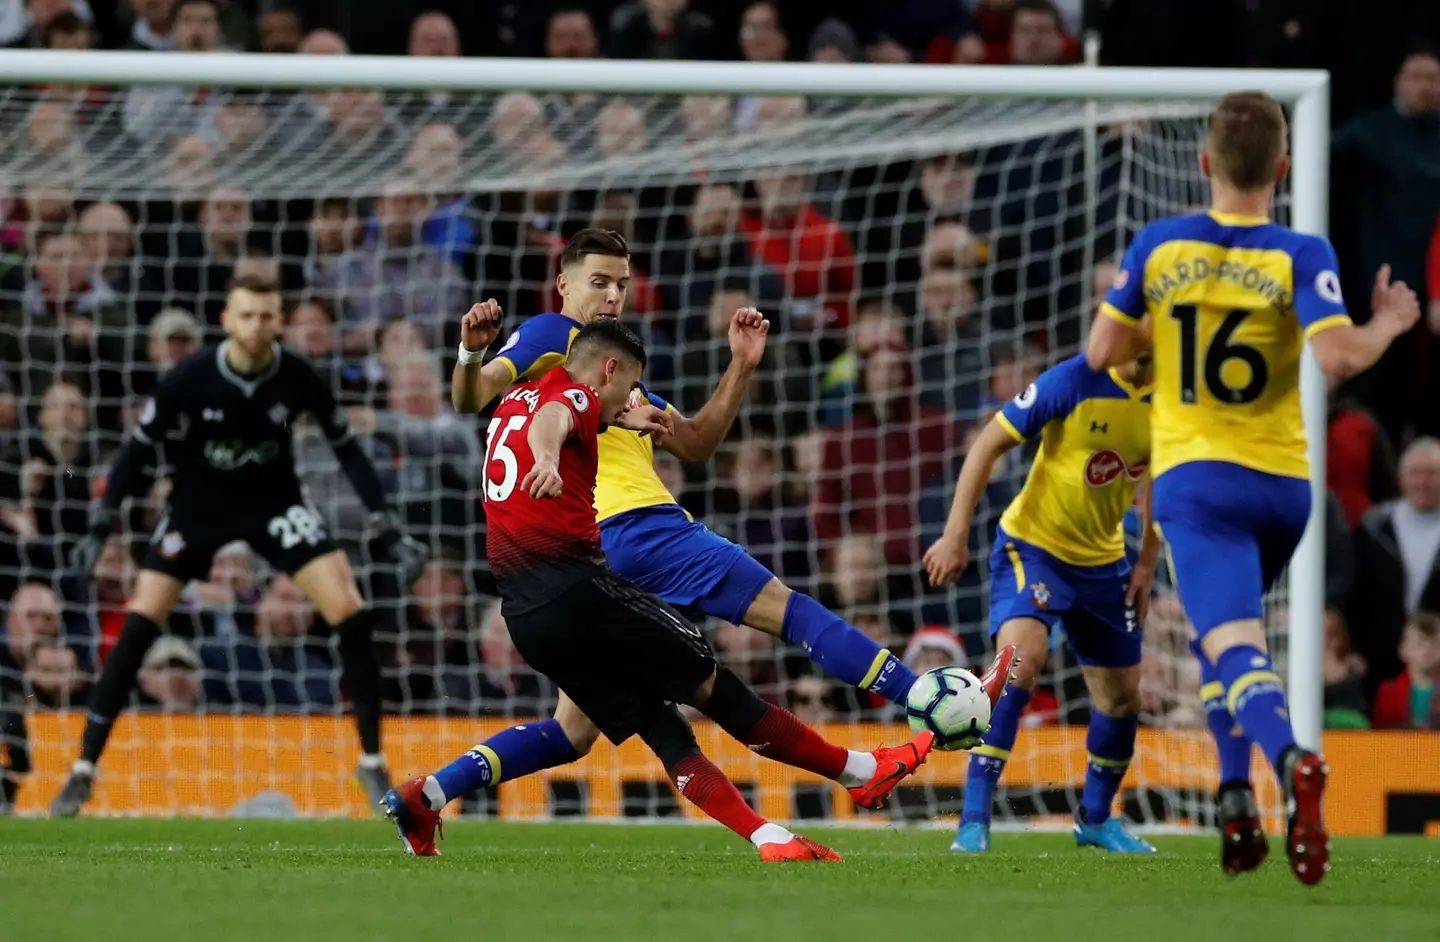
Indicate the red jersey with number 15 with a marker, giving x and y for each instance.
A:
(540, 547)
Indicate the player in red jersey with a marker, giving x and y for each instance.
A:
(625, 657)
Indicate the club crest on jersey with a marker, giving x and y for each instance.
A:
(279, 412)
(1040, 592)
(172, 544)
(1104, 467)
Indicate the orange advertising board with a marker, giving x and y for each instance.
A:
(206, 765)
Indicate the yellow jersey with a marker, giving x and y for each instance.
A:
(1231, 301)
(626, 480)
(1094, 431)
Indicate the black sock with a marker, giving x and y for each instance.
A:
(671, 738)
(117, 679)
(361, 672)
(733, 706)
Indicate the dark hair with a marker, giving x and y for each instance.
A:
(605, 242)
(1246, 141)
(254, 282)
(1427, 623)
(607, 335)
(1044, 7)
(212, 4)
(319, 301)
(66, 22)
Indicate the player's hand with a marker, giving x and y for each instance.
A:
(1137, 596)
(543, 480)
(647, 420)
(946, 558)
(407, 554)
(1395, 305)
(480, 325)
(748, 330)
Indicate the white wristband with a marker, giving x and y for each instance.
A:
(468, 356)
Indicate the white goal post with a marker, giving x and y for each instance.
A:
(1304, 93)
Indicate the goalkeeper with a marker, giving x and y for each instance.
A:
(1060, 557)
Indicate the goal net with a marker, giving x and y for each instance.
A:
(920, 259)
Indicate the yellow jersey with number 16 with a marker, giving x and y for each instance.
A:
(1231, 301)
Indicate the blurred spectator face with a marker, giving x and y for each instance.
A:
(1337, 636)
(239, 124)
(706, 116)
(807, 452)
(170, 674)
(225, 218)
(671, 473)
(279, 31)
(1420, 649)
(808, 701)
(616, 211)
(112, 570)
(62, 410)
(665, 10)
(948, 183)
(233, 568)
(54, 673)
(107, 232)
(401, 341)
(856, 569)
(258, 266)
(778, 112)
(34, 618)
(155, 13)
(324, 42)
(333, 228)
(1012, 374)
(887, 373)
(283, 611)
(49, 127)
(715, 211)
(1420, 474)
(435, 154)
(197, 27)
(518, 123)
(951, 245)
(620, 129)
(356, 113)
(947, 298)
(440, 594)
(782, 194)
(1417, 84)
(50, 201)
(310, 330)
(761, 38)
(434, 34)
(873, 627)
(400, 212)
(723, 305)
(414, 390)
(496, 649)
(931, 657)
(66, 30)
(571, 35)
(190, 168)
(174, 334)
(755, 470)
(44, 12)
(1036, 38)
(743, 644)
(63, 266)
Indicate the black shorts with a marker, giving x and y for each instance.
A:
(621, 654)
(289, 535)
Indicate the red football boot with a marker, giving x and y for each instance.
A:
(893, 764)
(417, 824)
(797, 848)
(995, 679)
(1306, 842)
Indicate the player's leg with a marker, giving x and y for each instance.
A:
(175, 556)
(699, 781)
(1243, 846)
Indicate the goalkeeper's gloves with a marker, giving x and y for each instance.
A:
(391, 543)
(86, 553)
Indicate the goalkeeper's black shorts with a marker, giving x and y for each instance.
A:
(288, 534)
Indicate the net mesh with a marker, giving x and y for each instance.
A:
(921, 260)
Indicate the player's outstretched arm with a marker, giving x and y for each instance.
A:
(697, 438)
(474, 383)
(1347, 350)
(948, 556)
(551, 425)
(1142, 577)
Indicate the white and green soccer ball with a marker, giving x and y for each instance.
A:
(951, 703)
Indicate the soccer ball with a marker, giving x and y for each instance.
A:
(951, 703)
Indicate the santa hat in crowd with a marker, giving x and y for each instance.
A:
(937, 637)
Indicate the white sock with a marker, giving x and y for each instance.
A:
(81, 767)
(859, 768)
(434, 794)
(770, 834)
(372, 760)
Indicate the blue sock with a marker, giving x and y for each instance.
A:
(987, 760)
(844, 651)
(509, 754)
(1231, 744)
(1257, 701)
(1111, 744)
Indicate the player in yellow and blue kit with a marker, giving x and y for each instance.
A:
(1227, 298)
(1059, 557)
(651, 541)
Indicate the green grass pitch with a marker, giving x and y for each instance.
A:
(228, 881)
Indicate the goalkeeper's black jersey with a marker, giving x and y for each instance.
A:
(225, 439)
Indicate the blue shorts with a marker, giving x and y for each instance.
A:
(1088, 601)
(664, 552)
(1230, 532)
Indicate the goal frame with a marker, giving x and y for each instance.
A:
(1305, 92)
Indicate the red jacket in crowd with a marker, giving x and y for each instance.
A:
(813, 254)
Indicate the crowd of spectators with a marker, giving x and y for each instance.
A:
(910, 296)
